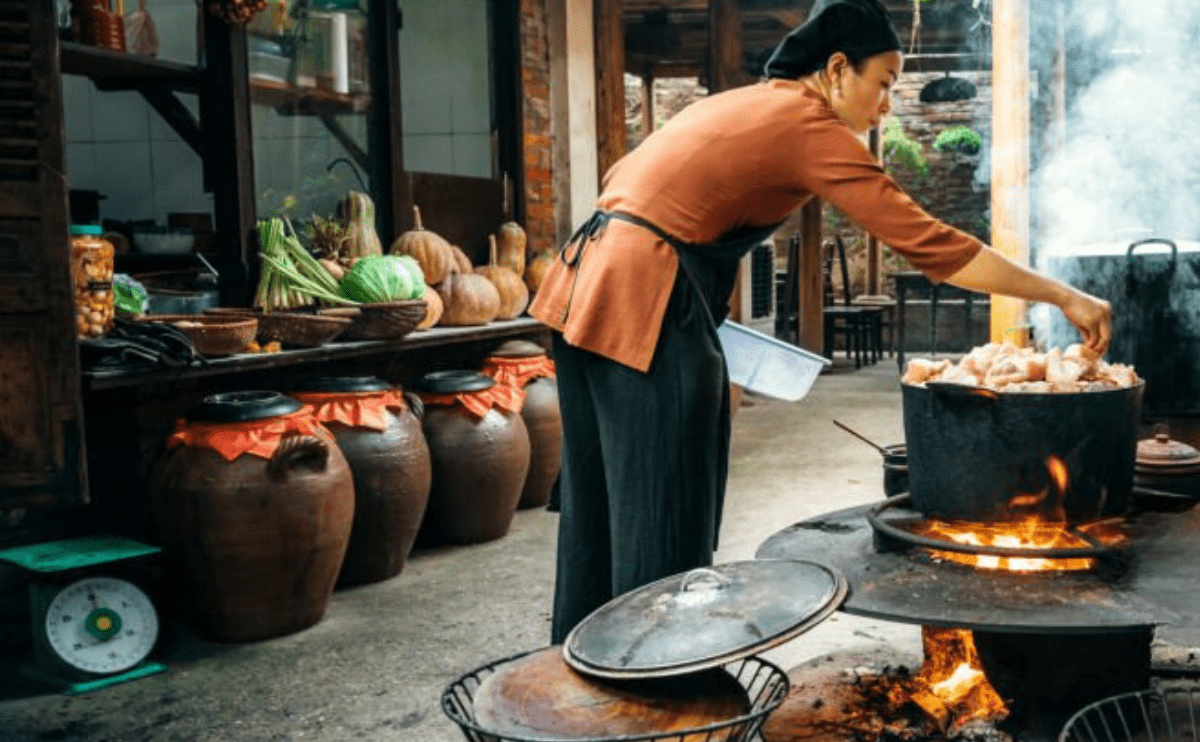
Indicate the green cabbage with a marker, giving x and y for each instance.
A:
(378, 278)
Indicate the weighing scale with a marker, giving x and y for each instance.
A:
(91, 627)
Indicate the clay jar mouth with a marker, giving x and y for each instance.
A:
(453, 382)
(229, 407)
(345, 384)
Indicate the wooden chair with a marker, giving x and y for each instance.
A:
(842, 319)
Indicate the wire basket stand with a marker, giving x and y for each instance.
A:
(1170, 713)
(765, 684)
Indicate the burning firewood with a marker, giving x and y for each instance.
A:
(948, 700)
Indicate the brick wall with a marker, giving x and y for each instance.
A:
(538, 137)
(951, 190)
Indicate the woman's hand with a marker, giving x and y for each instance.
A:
(1092, 317)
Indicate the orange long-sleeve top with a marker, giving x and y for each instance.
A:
(742, 158)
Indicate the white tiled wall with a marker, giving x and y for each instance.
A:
(445, 87)
(118, 145)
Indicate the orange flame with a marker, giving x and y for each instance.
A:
(1029, 534)
(954, 675)
(1033, 532)
(1058, 472)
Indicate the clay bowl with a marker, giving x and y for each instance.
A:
(212, 335)
(300, 330)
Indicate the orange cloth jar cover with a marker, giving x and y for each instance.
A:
(354, 409)
(517, 372)
(478, 403)
(255, 437)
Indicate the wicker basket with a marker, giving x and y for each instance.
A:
(300, 330)
(383, 321)
(212, 335)
(766, 686)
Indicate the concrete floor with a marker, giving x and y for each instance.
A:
(375, 667)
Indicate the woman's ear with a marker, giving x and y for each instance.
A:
(835, 67)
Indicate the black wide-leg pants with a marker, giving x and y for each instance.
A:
(645, 461)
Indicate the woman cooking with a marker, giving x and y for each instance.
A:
(636, 295)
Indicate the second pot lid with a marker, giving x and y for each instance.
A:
(1161, 454)
(704, 618)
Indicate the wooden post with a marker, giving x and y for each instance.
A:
(229, 158)
(610, 84)
(811, 312)
(573, 107)
(648, 114)
(874, 258)
(1010, 153)
(724, 45)
(724, 72)
(389, 180)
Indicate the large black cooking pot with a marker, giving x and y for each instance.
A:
(985, 456)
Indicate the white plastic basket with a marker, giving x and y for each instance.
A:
(768, 366)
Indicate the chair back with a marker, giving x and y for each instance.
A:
(841, 252)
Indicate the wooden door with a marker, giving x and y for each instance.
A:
(41, 445)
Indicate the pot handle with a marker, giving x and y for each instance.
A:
(704, 579)
(416, 404)
(1130, 280)
(949, 390)
(295, 450)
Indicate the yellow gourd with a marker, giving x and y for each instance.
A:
(511, 247)
(429, 249)
(433, 309)
(514, 296)
(535, 272)
(470, 299)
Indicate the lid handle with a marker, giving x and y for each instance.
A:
(704, 579)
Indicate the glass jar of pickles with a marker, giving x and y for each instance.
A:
(92, 280)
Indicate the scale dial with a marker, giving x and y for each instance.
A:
(101, 625)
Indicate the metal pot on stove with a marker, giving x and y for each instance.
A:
(979, 455)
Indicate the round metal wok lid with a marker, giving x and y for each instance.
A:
(704, 618)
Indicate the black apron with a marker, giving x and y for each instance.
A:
(645, 455)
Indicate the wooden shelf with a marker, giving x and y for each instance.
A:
(434, 337)
(291, 100)
(111, 70)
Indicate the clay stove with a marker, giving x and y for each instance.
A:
(1057, 616)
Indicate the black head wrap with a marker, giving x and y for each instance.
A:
(857, 28)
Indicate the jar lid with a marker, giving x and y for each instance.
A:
(236, 407)
(704, 618)
(95, 229)
(1161, 454)
(453, 382)
(518, 349)
(345, 384)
